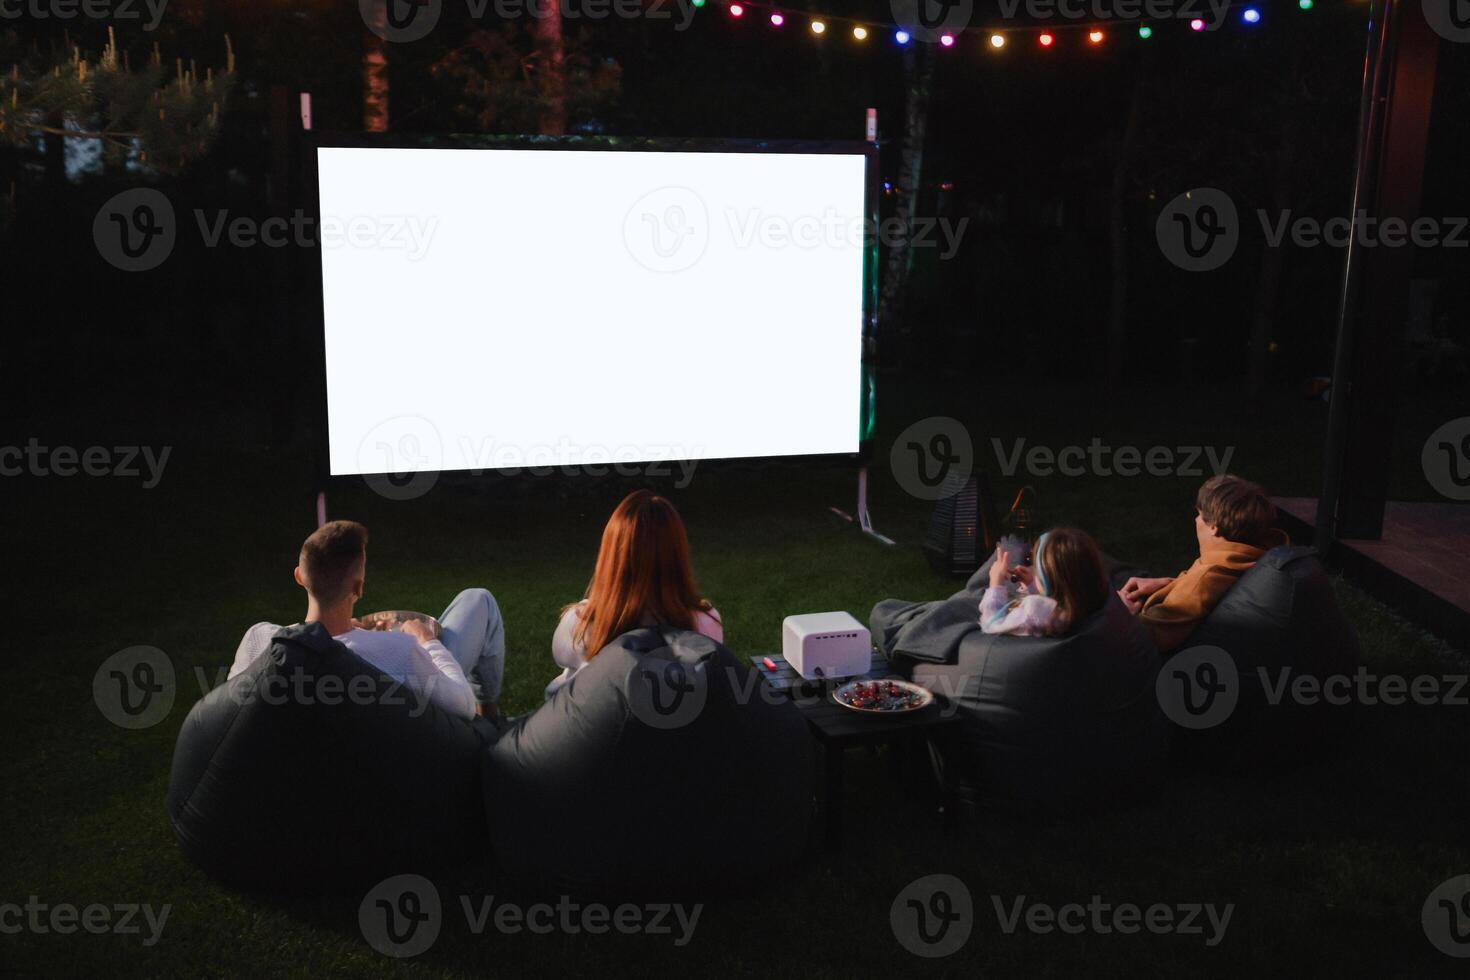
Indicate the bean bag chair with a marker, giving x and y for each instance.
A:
(313, 771)
(665, 767)
(1051, 722)
(1279, 623)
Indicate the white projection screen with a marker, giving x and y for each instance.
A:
(494, 308)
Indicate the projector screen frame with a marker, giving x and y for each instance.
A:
(869, 150)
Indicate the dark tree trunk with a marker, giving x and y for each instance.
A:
(375, 73)
(1268, 285)
(1117, 335)
(551, 59)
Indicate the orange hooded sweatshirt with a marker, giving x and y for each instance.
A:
(1173, 612)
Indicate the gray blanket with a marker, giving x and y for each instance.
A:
(933, 630)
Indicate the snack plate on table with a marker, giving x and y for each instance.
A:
(883, 697)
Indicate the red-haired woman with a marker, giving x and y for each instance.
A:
(642, 578)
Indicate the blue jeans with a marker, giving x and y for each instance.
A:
(475, 634)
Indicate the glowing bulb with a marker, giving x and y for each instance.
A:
(1196, 25)
(861, 33)
(997, 41)
(947, 40)
(1304, 4)
(1046, 40)
(698, 3)
(819, 27)
(1251, 15)
(902, 37)
(1095, 37)
(1145, 32)
(736, 10)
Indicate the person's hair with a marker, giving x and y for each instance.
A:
(1074, 572)
(1238, 509)
(329, 557)
(642, 572)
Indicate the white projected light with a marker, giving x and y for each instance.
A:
(505, 308)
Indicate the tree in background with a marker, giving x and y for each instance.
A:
(547, 62)
(497, 82)
(919, 78)
(159, 117)
(1278, 142)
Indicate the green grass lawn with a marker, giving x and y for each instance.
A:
(1327, 868)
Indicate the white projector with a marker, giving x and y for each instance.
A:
(826, 645)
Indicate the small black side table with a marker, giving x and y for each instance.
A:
(839, 728)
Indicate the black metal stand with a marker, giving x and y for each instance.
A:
(862, 518)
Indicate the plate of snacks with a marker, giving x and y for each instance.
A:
(883, 697)
(393, 619)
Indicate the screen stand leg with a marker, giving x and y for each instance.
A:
(862, 518)
(321, 508)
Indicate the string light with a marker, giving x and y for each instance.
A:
(1250, 15)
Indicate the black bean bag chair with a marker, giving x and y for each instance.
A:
(1053, 722)
(314, 771)
(664, 768)
(1278, 624)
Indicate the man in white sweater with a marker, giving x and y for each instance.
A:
(459, 673)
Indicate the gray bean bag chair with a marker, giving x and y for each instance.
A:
(314, 771)
(665, 767)
(1279, 623)
(1052, 722)
(1280, 618)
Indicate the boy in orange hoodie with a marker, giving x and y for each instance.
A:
(1233, 522)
